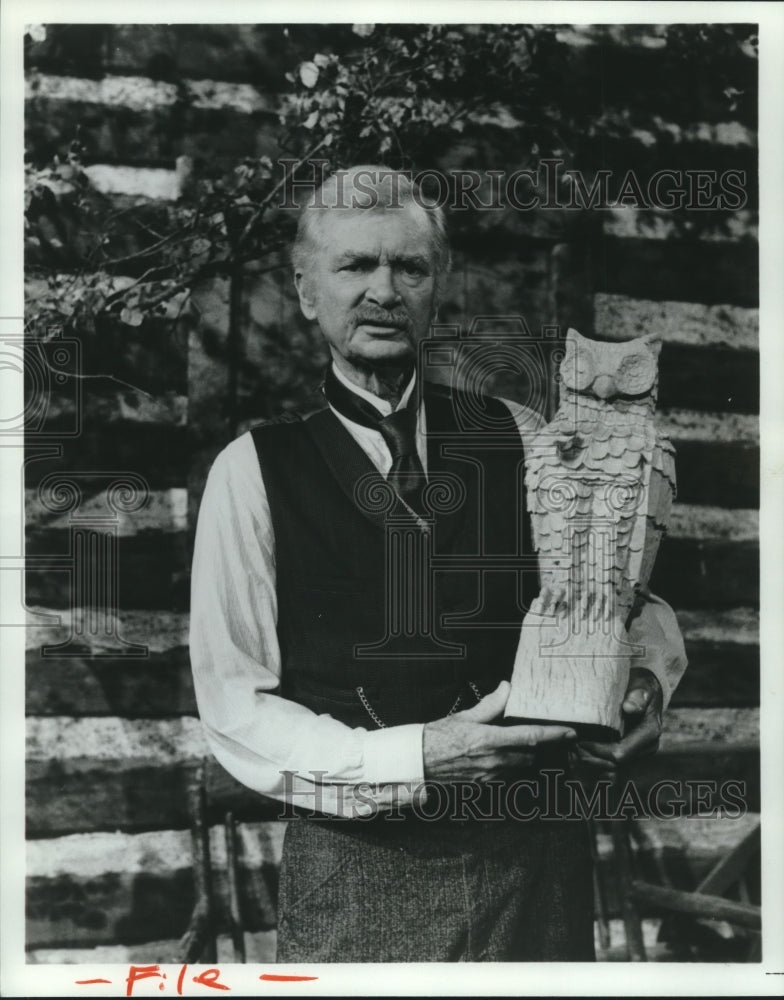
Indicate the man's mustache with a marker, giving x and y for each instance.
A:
(396, 318)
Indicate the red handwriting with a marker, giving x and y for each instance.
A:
(270, 978)
(209, 978)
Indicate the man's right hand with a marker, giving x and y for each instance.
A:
(466, 747)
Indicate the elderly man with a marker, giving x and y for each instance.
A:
(305, 694)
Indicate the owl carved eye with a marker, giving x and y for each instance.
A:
(577, 368)
(635, 374)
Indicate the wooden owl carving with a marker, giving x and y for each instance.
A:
(600, 481)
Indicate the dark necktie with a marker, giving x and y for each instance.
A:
(398, 429)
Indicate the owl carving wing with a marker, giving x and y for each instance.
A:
(661, 493)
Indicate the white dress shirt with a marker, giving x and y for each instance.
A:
(255, 733)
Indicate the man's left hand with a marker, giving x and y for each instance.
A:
(642, 708)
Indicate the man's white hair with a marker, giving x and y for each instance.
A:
(373, 188)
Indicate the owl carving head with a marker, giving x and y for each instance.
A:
(611, 370)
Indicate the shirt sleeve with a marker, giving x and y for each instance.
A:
(653, 625)
(274, 746)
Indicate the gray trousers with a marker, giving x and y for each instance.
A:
(504, 891)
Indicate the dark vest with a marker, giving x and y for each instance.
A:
(384, 619)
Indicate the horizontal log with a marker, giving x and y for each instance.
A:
(154, 183)
(697, 425)
(687, 323)
(98, 889)
(719, 674)
(627, 222)
(600, 127)
(158, 453)
(719, 380)
(688, 780)
(130, 912)
(118, 231)
(143, 552)
(721, 625)
(150, 359)
(117, 798)
(683, 271)
(48, 582)
(64, 800)
(138, 93)
(696, 839)
(260, 944)
(159, 686)
(79, 744)
(86, 774)
(712, 394)
(511, 286)
(678, 852)
(730, 133)
(709, 395)
(701, 522)
(706, 573)
(604, 60)
(214, 139)
(725, 472)
(164, 512)
(593, 61)
(132, 150)
(698, 730)
(152, 569)
(75, 794)
(697, 904)
(257, 53)
(153, 564)
(637, 156)
(112, 405)
(98, 401)
(160, 631)
(107, 888)
(259, 947)
(89, 855)
(632, 151)
(65, 911)
(703, 781)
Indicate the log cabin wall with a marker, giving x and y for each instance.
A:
(111, 735)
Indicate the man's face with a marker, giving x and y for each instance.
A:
(371, 284)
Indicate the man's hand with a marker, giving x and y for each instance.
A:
(465, 747)
(642, 706)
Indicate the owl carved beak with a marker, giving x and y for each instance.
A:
(604, 387)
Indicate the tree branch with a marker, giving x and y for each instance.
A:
(266, 202)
